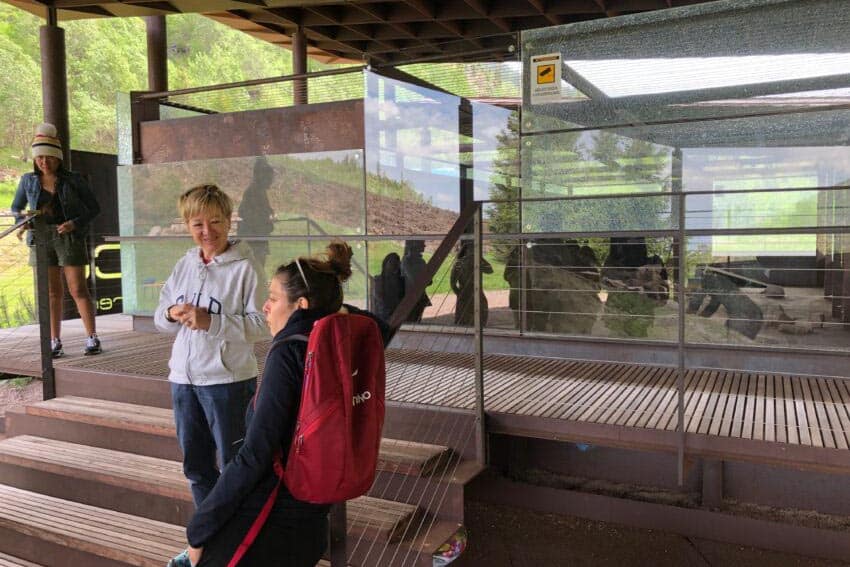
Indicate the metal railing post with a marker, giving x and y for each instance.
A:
(42, 299)
(478, 289)
(680, 378)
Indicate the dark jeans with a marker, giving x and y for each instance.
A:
(209, 418)
(282, 542)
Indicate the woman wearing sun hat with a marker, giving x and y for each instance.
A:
(68, 205)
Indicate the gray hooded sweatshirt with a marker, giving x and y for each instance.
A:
(229, 289)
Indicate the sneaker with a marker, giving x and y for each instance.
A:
(180, 560)
(56, 348)
(92, 345)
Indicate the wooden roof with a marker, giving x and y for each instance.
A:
(381, 31)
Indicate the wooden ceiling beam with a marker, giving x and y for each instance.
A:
(333, 19)
(95, 10)
(483, 10)
(285, 20)
(429, 11)
(161, 6)
(541, 7)
(404, 28)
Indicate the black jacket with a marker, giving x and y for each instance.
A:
(248, 480)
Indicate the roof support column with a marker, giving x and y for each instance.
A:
(54, 80)
(299, 66)
(157, 53)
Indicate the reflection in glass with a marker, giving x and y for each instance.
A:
(758, 296)
(603, 287)
(412, 157)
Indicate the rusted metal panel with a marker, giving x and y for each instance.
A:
(299, 129)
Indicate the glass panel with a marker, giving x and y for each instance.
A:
(742, 291)
(274, 196)
(412, 145)
(151, 262)
(599, 215)
(270, 193)
(124, 125)
(638, 69)
(780, 209)
(596, 162)
(601, 287)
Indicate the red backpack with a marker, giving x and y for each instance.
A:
(334, 451)
(337, 437)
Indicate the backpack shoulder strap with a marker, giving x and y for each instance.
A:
(298, 337)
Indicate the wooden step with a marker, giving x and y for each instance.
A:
(9, 561)
(134, 484)
(380, 520)
(412, 458)
(441, 493)
(99, 423)
(61, 533)
(151, 431)
(131, 417)
(150, 487)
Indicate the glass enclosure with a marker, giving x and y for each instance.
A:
(680, 167)
(686, 138)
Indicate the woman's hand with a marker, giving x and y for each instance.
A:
(191, 317)
(66, 227)
(195, 554)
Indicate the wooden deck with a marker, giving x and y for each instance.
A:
(625, 405)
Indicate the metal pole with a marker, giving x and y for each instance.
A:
(478, 289)
(42, 299)
(157, 53)
(338, 530)
(54, 81)
(299, 66)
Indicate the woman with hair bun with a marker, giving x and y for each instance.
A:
(295, 532)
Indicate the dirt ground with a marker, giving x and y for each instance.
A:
(18, 392)
(501, 536)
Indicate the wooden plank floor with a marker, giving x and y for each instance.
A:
(810, 411)
(806, 411)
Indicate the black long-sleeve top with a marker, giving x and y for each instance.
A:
(249, 479)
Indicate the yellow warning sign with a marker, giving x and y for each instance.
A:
(545, 74)
(544, 78)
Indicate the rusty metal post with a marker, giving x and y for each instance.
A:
(338, 531)
(157, 53)
(478, 290)
(42, 300)
(141, 110)
(299, 66)
(54, 81)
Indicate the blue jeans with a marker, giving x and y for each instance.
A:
(209, 418)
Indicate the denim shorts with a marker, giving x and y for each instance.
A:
(67, 249)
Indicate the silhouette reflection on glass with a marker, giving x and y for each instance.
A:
(387, 287)
(256, 213)
(464, 287)
(412, 265)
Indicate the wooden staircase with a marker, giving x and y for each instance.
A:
(91, 482)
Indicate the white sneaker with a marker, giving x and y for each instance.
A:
(92, 345)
